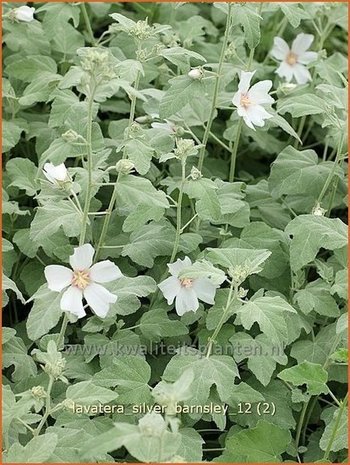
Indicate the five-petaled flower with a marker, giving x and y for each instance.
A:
(56, 174)
(83, 282)
(250, 101)
(24, 13)
(187, 291)
(293, 60)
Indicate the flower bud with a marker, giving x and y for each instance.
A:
(70, 136)
(124, 166)
(238, 273)
(23, 13)
(68, 404)
(144, 119)
(195, 173)
(141, 31)
(184, 148)
(55, 369)
(242, 293)
(38, 392)
(318, 210)
(196, 73)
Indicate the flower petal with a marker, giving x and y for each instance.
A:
(55, 173)
(285, 71)
(248, 122)
(307, 57)
(99, 299)
(280, 48)
(301, 43)
(244, 82)
(258, 93)
(72, 301)
(236, 99)
(302, 74)
(170, 287)
(204, 289)
(176, 267)
(82, 257)
(104, 272)
(257, 115)
(186, 301)
(58, 277)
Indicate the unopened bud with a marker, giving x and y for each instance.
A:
(55, 369)
(142, 30)
(68, 404)
(318, 210)
(195, 173)
(196, 73)
(38, 392)
(144, 119)
(70, 136)
(124, 166)
(242, 293)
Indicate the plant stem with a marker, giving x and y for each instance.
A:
(234, 151)
(230, 299)
(47, 407)
(336, 426)
(331, 174)
(115, 188)
(60, 341)
(88, 24)
(300, 424)
(89, 162)
(179, 212)
(216, 89)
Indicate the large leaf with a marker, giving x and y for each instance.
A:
(310, 233)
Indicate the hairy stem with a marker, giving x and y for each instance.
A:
(231, 297)
(234, 151)
(88, 24)
(89, 162)
(332, 172)
(115, 188)
(47, 407)
(216, 89)
(336, 426)
(179, 212)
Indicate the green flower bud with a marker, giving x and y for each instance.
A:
(141, 31)
(70, 136)
(55, 369)
(38, 392)
(195, 173)
(124, 166)
(152, 425)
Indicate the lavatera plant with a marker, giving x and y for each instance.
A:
(174, 237)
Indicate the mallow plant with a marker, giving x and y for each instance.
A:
(174, 237)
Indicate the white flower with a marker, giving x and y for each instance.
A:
(24, 13)
(294, 59)
(186, 292)
(56, 174)
(249, 101)
(83, 282)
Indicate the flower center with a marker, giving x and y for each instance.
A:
(186, 282)
(245, 101)
(81, 279)
(291, 58)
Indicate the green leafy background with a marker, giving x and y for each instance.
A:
(281, 407)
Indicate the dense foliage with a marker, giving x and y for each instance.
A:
(174, 251)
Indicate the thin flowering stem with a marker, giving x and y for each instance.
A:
(216, 88)
(336, 426)
(332, 172)
(88, 24)
(60, 340)
(115, 188)
(47, 407)
(232, 295)
(234, 151)
(89, 161)
(179, 212)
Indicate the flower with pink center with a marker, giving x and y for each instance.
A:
(83, 281)
(294, 59)
(186, 291)
(250, 100)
